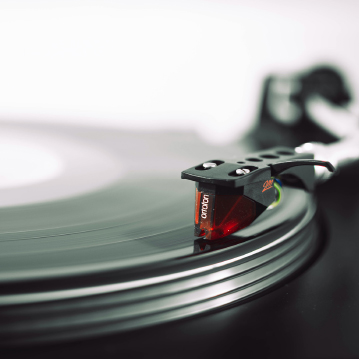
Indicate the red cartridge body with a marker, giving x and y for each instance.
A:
(218, 215)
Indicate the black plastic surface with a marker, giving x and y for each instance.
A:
(259, 164)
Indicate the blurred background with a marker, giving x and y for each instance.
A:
(163, 65)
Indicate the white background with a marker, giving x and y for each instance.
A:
(163, 65)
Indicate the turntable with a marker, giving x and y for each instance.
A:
(98, 255)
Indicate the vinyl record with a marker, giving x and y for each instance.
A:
(106, 244)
